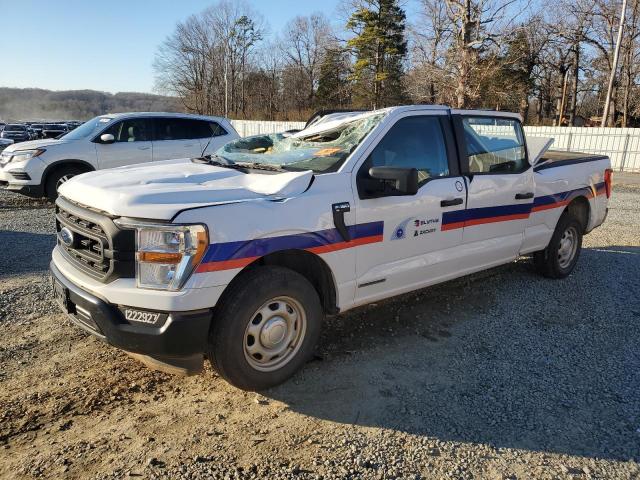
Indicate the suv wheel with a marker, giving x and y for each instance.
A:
(57, 178)
(265, 329)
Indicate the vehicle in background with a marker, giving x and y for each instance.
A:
(239, 256)
(73, 124)
(37, 127)
(38, 168)
(4, 143)
(17, 132)
(53, 130)
(2, 124)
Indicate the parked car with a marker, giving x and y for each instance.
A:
(4, 143)
(238, 256)
(16, 132)
(53, 130)
(37, 127)
(39, 168)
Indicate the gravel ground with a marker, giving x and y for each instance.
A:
(502, 375)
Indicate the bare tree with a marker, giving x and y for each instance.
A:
(304, 42)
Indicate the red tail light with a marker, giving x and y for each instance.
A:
(608, 174)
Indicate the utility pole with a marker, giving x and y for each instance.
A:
(614, 67)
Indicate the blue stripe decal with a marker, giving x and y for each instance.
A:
(263, 246)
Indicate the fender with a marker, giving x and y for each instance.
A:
(58, 163)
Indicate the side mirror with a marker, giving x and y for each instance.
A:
(107, 138)
(404, 180)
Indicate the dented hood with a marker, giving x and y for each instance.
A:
(160, 190)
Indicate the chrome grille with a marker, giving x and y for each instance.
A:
(89, 246)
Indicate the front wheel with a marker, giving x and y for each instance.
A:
(265, 328)
(561, 255)
(57, 178)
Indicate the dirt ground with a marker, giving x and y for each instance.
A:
(501, 375)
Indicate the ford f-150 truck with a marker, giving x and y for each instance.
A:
(238, 256)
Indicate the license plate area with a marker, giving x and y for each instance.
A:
(61, 296)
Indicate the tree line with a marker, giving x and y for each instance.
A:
(24, 104)
(549, 60)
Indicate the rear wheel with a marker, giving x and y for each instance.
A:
(59, 176)
(265, 328)
(561, 255)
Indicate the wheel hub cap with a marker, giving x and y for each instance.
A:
(567, 248)
(273, 332)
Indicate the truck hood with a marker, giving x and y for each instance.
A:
(34, 144)
(159, 190)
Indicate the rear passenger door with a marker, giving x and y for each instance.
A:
(500, 187)
(409, 247)
(176, 138)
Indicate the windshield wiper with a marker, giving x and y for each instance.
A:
(217, 161)
(261, 166)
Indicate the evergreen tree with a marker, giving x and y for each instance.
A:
(333, 85)
(379, 47)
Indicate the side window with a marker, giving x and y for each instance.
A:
(216, 129)
(494, 145)
(172, 129)
(413, 142)
(131, 130)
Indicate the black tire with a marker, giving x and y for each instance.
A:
(551, 262)
(229, 337)
(57, 177)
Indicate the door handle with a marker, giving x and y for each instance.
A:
(451, 202)
(188, 145)
(144, 148)
(524, 196)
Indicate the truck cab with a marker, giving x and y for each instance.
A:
(238, 256)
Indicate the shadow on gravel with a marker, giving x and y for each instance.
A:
(508, 359)
(23, 252)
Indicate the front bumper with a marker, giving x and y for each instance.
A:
(179, 341)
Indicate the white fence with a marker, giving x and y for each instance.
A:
(246, 128)
(622, 145)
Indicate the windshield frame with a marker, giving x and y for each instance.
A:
(88, 129)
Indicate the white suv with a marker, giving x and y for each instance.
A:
(38, 168)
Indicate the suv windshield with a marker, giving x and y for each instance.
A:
(318, 148)
(87, 128)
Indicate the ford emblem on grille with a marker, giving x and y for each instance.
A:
(66, 237)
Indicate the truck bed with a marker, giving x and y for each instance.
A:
(558, 158)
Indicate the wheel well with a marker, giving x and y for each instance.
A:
(579, 208)
(56, 167)
(310, 266)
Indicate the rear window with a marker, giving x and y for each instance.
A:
(15, 128)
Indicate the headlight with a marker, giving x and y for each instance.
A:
(21, 155)
(167, 255)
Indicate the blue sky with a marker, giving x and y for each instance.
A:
(78, 44)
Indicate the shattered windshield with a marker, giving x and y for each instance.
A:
(319, 149)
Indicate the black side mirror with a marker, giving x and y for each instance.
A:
(403, 180)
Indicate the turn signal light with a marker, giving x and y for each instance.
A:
(159, 257)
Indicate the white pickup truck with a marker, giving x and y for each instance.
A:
(238, 256)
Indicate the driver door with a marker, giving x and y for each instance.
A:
(415, 249)
(132, 144)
